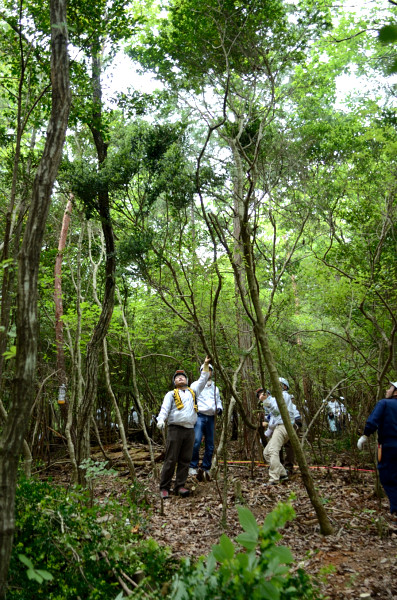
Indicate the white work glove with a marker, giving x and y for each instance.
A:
(160, 423)
(361, 442)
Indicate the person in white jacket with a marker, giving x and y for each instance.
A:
(179, 408)
(209, 404)
(276, 431)
(336, 414)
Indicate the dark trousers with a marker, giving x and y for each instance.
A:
(178, 451)
(289, 459)
(205, 427)
(388, 474)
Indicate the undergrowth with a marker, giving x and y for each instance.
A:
(68, 546)
(256, 567)
(89, 550)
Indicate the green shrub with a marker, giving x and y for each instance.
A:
(86, 549)
(261, 571)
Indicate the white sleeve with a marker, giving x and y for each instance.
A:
(273, 406)
(166, 406)
(199, 385)
(218, 399)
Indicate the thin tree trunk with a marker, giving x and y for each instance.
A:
(136, 390)
(22, 396)
(76, 391)
(244, 336)
(119, 419)
(260, 327)
(95, 345)
(59, 342)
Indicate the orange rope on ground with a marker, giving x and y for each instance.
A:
(261, 464)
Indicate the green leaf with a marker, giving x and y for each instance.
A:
(388, 34)
(248, 521)
(25, 560)
(45, 575)
(269, 591)
(34, 576)
(247, 540)
(11, 353)
(224, 550)
(243, 560)
(283, 554)
(210, 564)
(392, 68)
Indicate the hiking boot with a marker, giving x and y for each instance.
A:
(283, 477)
(192, 472)
(164, 494)
(183, 492)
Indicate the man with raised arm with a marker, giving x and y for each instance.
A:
(179, 408)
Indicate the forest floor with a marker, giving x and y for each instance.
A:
(358, 561)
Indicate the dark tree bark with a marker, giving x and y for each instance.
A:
(22, 394)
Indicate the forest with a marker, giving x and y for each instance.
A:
(241, 206)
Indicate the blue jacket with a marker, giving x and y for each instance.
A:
(384, 419)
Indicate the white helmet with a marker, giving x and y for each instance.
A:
(284, 381)
(394, 383)
(210, 366)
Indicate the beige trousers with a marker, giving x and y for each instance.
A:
(271, 453)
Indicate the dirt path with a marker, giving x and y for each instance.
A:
(358, 561)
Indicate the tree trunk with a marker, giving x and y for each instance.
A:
(95, 345)
(59, 342)
(136, 390)
(244, 335)
(260, 327)
(22, 394)
(76, 376)
(119, 420)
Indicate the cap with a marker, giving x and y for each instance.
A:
(180, 372)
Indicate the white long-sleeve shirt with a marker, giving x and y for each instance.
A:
(271, 406)
(209, 400)
(336, 407)
(186, 416)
